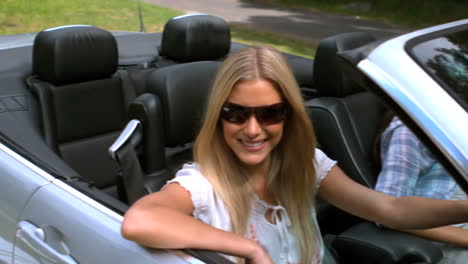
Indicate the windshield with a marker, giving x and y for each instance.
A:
(445, 58)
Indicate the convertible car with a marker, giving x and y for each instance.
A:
(91, 120)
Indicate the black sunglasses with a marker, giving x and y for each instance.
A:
(267, 114)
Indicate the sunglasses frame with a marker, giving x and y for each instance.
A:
(281, 107)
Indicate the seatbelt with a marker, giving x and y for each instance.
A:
(130, 174)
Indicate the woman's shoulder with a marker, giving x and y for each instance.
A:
(323, 164)
(190, 177)
(321, 159)
(201, 191)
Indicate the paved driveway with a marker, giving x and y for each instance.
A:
(308, 25)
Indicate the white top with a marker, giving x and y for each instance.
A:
(276, 237)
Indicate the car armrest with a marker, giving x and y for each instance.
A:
(368, 243)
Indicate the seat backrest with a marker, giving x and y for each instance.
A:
(194, 37)
(303, 69)
(83, 101)
(183, 91)
(347, 116)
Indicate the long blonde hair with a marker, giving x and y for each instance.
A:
(292, 177)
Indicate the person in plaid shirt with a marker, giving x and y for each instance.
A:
(409, 169)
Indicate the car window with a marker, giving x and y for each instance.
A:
(445, 58)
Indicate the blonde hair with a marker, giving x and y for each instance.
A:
(292, 177)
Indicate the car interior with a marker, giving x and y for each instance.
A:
(80, 90)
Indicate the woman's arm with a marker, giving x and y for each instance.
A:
(447, 234)
(403, 213)
(164, 220)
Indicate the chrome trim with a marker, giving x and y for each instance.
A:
(443, 124)
(124, 136)
(67, 26)
(26, 163)
(189, 15)
(86, 199)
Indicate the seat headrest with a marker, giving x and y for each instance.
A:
(74, 54)
(329, 79)
(195, 37)
(183, 90)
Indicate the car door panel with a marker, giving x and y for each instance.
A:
(41, 216)
(18, 182)
(77, 229)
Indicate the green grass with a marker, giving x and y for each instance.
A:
(22, 16)
(25, 16)
(409, 13)
(286, 44)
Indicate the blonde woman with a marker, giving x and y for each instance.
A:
(250, 192)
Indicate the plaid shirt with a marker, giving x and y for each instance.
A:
(408, 169)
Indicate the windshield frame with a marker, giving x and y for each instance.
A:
(427, 39)
(402, 80)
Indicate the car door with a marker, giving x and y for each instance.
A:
(17, 184)
(48, 221)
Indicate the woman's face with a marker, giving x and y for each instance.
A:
(253, 141)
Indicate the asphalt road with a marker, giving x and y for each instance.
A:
(308, 25)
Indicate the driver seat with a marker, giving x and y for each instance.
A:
(346, 118)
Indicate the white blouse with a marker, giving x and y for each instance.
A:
(275, 237)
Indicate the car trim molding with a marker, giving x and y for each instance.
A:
(26, 162)
(60, 183)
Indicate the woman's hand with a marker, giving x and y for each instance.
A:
(259, 255)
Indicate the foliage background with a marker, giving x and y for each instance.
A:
(411, 13)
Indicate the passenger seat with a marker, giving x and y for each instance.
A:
(83, 99)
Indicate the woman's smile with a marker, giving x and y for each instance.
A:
(253, 145)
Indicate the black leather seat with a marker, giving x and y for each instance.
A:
(83, 100)
(166, 121)
(183, 91)
(190, 38)
(184, 39)
(346, 116)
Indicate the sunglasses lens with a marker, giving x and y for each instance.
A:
(234, 114)
(271, 114)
